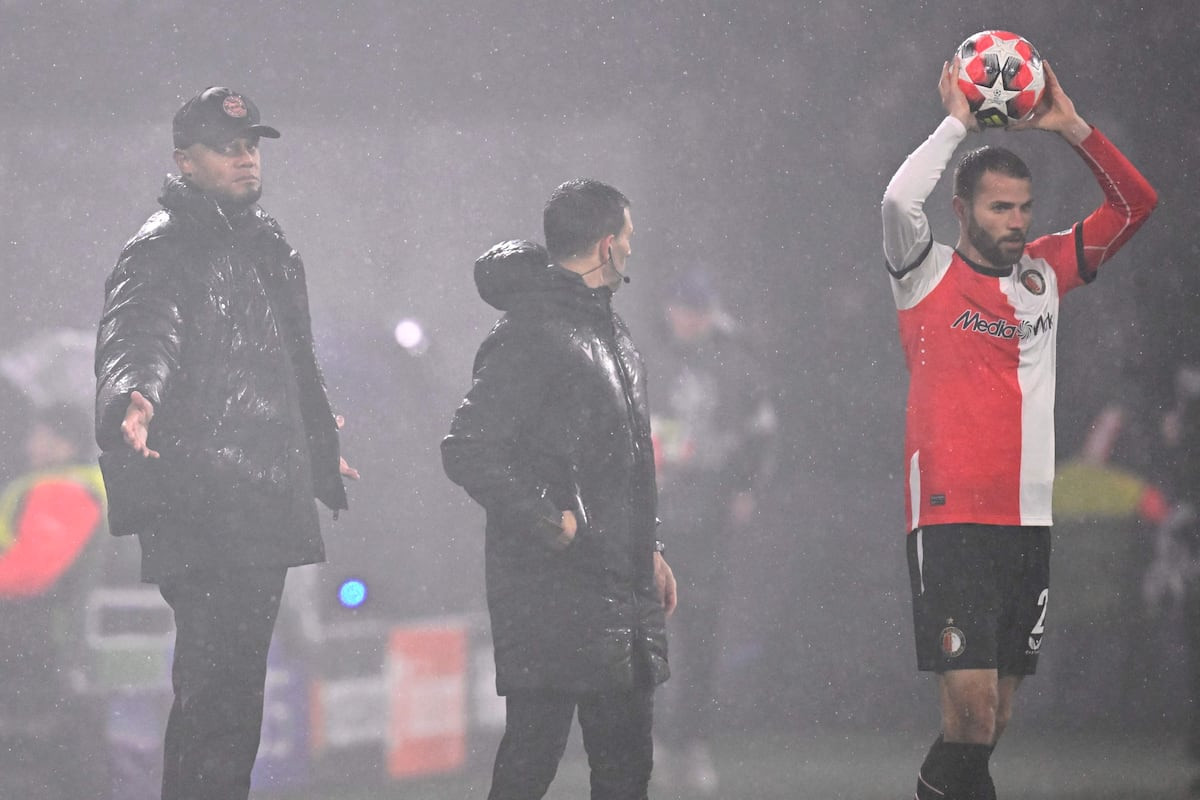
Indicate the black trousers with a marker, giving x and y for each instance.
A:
(223, 624)
(616, 736)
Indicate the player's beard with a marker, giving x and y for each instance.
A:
(1002, 252)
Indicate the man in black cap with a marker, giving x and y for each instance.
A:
(216, 433)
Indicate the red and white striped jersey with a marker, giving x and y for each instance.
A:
(980, 342)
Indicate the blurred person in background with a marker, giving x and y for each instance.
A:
(1105, 515)
(216, 433)
(977, 324)
(15, 408)
(713, 423)
(553, 440)
(1177, 567)
(52, 727)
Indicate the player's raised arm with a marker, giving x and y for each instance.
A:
(906, 234)
(1056, 112)
(1128, 196)
(953, 99)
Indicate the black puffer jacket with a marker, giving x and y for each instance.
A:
(556, 418)
(207, 316)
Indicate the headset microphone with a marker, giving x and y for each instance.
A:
(611, 263)
(601, 265)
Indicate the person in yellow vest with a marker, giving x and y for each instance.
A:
(1105, 516)
(49, 514)
(52, 520)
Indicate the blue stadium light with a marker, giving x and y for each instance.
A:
(352, 593)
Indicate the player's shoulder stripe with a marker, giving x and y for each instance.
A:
(918, 284)
(1086, 274)
(1058, 249)
(900, 273)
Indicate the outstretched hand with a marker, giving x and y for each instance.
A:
(664, 582)
(953, 99)
(135, 428)
(346, 470)
(1056, 112)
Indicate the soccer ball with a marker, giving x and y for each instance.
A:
(1002, 76)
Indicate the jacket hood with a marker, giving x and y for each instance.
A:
(509, 270)
(518, 271)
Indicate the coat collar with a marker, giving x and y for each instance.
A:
(183, 199)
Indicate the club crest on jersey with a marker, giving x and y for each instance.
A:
(1034, 281)
(234, 106)
(954, 642)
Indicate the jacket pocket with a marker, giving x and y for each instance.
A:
(134, 488)
(568, 496)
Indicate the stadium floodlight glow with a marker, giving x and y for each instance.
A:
(411, 336)
(352, 593)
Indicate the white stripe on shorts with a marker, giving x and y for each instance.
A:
(920, 556)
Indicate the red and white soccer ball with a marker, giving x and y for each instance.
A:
(1002, 76)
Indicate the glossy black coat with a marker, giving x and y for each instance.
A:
(556, 419)
(206, 314)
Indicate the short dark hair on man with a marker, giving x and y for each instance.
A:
(986, 159)
(580, 213)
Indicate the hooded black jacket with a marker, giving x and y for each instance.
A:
(206, 314)
(556, 418)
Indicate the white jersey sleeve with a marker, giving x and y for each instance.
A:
(907, 240)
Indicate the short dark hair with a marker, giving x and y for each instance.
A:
(580, 213)
(986, 159)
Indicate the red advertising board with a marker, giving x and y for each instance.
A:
(426, 680)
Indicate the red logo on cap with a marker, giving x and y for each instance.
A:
(234, 106)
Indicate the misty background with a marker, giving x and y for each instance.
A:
(754, 140)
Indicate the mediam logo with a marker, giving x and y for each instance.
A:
(971, 320)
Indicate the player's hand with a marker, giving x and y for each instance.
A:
(135, 428)
(1055, 113)
(953, 99)
(569, 527)
(664, 582)
(344, 468)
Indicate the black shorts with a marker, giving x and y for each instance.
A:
(979, 596)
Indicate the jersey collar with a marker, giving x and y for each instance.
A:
(991, 272)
